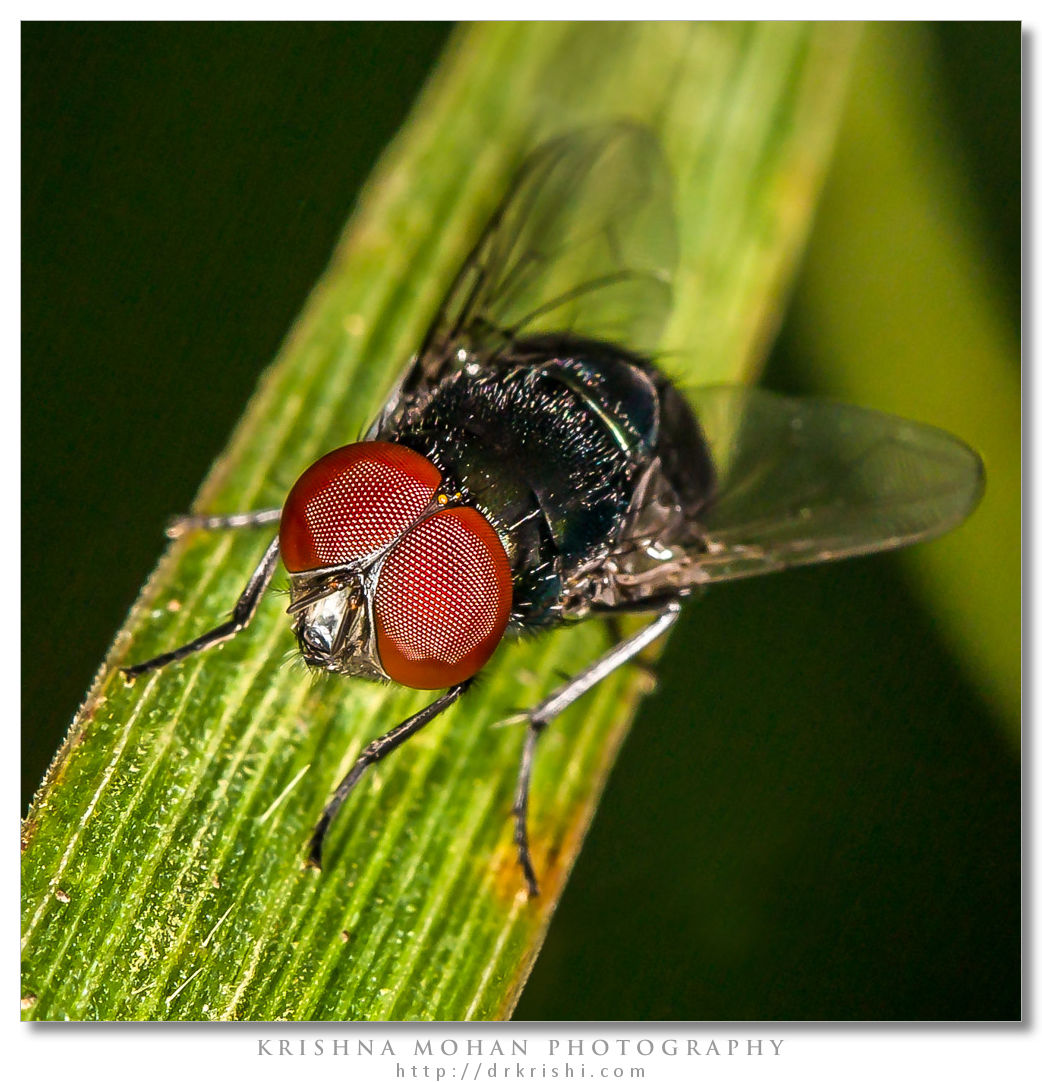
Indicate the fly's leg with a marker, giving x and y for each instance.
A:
(182, 524)
(373, 753)
(242, 614)
(615, 635)
(563, 697)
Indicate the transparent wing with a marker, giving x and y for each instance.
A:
(584, 243)
(801, 481)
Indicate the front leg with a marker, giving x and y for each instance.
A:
(182, 524)
(373, 753)
(242, 614)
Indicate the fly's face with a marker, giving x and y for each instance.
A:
(333, 626)
(389, 578)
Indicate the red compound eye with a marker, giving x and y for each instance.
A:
(352, 502)
(443, 600)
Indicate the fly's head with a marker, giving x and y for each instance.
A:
(389, 580)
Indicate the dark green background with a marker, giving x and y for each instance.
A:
(815, 818)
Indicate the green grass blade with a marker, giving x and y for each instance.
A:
(163, 873)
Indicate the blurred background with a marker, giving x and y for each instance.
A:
(818, 815)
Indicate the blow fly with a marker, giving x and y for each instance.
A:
(535, 467)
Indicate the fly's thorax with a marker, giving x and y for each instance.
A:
(550, 442)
